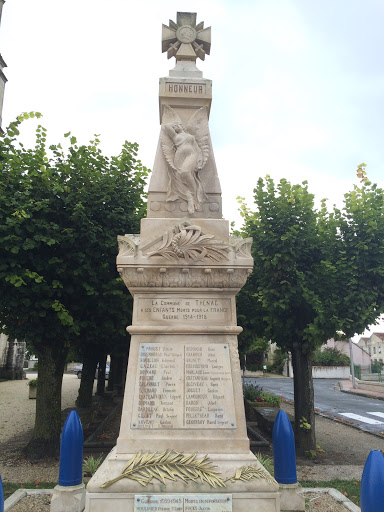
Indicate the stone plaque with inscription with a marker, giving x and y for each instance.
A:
(183, 386)
(183, 503)
(184, 310)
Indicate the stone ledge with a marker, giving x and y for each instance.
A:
(266, 416)
(22, 493)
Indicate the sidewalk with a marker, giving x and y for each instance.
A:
(346, 387)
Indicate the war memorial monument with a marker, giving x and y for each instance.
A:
(183, 443)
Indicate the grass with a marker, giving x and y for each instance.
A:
(10, 487)
(350, 488)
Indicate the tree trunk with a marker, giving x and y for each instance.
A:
(84, 398)
(101, 376)
(45, 441)
(304, 401)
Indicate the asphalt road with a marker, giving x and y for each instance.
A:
(364, 413)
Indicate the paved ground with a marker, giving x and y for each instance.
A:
(356, 407)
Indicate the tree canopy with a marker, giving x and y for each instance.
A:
(315, 272)
(60, 213)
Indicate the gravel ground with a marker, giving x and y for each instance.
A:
(16, 424)
(318, 502)
(37, 503)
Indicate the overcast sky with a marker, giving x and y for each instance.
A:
(298, 85)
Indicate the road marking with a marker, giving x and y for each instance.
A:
(363, 419)
(379, 414)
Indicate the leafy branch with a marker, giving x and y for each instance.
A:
(169, 465)
(247, 473)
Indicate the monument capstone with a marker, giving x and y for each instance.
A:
(183, 443)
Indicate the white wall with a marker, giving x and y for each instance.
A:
(330, 372)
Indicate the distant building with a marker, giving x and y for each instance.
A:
(3, 78)
(360, 355)
(374, 345)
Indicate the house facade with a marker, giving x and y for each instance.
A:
(374, 345)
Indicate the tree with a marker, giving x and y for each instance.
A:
(60, 213)
(315, 273)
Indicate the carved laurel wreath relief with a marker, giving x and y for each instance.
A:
(188, 242)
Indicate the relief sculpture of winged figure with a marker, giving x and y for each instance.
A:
(186, 150)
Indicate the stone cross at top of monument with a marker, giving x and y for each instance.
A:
(185, 40)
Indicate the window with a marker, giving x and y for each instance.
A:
(374, 350)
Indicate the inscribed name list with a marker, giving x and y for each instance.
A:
(183, 386)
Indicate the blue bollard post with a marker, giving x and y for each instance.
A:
(372, 483)
(284, 455)
(1, 496)
(71, 452)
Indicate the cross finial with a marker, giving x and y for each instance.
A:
(185, 40)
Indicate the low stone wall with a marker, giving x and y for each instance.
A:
(248, 373)
(330, 372)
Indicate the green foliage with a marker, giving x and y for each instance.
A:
(255, 354)
(251, 392)
(315, 273)
(32, 383)
(256, 394)
(91, 464)
(11, 487)
(266, 461)
(316, 453)
(330, 357)
(60, 213)
(304, 425)
(270, 398)
(279, 359)
(376, 366)
(349, 488)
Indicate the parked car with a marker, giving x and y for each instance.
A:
(79, 370)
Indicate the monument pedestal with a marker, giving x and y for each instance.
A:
(183, 443)
(260, 494)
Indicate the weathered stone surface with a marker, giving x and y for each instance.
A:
(68, 499)
(183, 390)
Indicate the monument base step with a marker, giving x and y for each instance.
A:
(260, 493)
